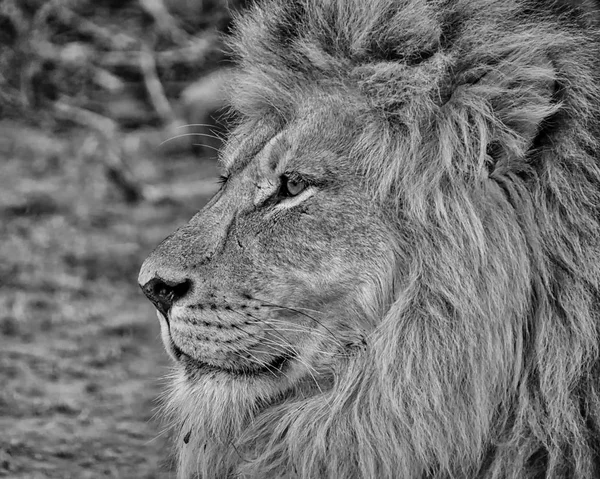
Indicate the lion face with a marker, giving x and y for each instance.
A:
(267, 285)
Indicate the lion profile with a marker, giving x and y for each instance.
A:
(399, 277)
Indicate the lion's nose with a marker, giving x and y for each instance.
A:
(163, 293)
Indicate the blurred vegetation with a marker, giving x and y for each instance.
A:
(92, 53)
(116, 65)
(97, 165)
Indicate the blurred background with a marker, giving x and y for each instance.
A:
(110, 121)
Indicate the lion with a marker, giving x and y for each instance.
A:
(399, 277)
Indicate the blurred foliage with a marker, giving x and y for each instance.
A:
(94, 95)
(110, 66)
(126, 60)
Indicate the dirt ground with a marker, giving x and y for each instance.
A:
(81, 362)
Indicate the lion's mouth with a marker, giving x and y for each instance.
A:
(276, 367)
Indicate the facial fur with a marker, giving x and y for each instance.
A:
(399, 276)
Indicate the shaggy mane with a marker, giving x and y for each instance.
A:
(480, 130)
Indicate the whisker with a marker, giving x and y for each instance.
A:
(275, 307)
(208, 135)
(266, 365)
(258, 361)
(215, 133)
(293, 350)
(183, 135)
(262, 321)
(310, 370)
(159, 435)
(278, 346)
(332, 354)
(315, 332)
(298, 358)
(187, 125)
(303, 314)
(298, 328)
(203, 145)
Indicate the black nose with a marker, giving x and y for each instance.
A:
(164, 293)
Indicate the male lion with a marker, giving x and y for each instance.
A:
(399, 277)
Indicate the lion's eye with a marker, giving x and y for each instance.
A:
(292, 186)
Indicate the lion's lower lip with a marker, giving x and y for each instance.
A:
(275, 367)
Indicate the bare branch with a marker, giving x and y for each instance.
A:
(155, 88)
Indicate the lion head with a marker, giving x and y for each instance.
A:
(399, 276)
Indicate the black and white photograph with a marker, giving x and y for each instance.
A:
(300, 239)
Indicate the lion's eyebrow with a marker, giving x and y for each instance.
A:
(267, 147)
(278, 146)
(272, 153)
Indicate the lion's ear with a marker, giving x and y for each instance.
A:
(522, 97)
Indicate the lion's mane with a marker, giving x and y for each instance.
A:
(480, 131)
